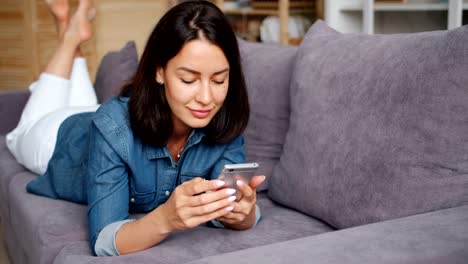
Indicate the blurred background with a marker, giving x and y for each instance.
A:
(28, 36)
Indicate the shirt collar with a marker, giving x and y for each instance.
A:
(195, 137)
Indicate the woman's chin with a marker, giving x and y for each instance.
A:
(198, 123)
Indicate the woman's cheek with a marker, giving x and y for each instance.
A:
(220, 95)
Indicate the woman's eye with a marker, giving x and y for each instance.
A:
(218, 82)
(187, 81)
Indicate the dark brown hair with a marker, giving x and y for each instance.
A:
(150, 114)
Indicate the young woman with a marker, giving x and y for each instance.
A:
(158, 147)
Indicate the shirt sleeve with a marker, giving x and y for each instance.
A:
(105, 242)
(108, 191)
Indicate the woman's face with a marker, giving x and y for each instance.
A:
(196, 84)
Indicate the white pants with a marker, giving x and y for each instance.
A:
(52, 100)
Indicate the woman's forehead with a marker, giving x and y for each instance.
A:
(200, 56)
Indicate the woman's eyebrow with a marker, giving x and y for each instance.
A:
(221, 71)
(197, 72)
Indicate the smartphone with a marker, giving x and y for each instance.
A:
(233, 172)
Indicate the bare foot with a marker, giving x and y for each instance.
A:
(59, 8)
(80, 28)
(60, 11)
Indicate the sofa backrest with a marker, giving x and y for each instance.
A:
(267, 70)
(378, 126)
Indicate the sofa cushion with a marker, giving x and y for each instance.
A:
(43, 226)
(267, 69)
(8, 169)
(435, 237)
(278, 224)
(115, 69)
(11, 106)
(379, 126)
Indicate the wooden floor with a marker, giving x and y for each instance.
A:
(3, 253)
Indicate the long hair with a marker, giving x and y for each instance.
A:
(150, 114)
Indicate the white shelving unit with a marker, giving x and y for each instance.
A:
(359, 15)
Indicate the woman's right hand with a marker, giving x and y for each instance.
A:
(195, 202)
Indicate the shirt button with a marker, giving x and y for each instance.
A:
(132, 200)
(167, 193)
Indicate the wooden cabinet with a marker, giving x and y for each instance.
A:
(28, 35)
(281, 8)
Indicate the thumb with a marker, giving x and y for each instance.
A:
(256, 181)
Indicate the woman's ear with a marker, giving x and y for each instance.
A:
(160, 75)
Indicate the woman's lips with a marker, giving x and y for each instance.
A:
(200, 113)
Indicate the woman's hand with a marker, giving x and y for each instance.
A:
(191, 204)
(242, 215)
(195, 202)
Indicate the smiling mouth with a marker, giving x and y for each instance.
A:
(200, 113)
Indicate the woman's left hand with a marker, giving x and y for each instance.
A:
(242, 215)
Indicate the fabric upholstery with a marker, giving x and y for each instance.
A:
(436, 237)
(16, 253)
(115, 69)
(9, 168)
(46, 224)
(11, 106)
(278, 224)
(267, 69)
(379, 126)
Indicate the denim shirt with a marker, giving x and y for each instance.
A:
(99, 161)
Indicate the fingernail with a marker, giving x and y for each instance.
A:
(231, 198)
(220, 183)
(229, 208)
(239, 183)
(230, 191)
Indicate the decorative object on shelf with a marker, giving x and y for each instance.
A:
(248, 30)
(243, 3)
(297, 27)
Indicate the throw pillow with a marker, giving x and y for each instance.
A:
(115, 69)
(267, 69)
(378, 128)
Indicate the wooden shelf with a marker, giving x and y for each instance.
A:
(281, 8)
(264, 12)
(274, 4)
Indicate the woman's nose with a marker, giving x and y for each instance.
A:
(204, 95)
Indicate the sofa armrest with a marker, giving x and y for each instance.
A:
(11, 106)
(436, 237)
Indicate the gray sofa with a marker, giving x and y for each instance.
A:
(334, 124)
